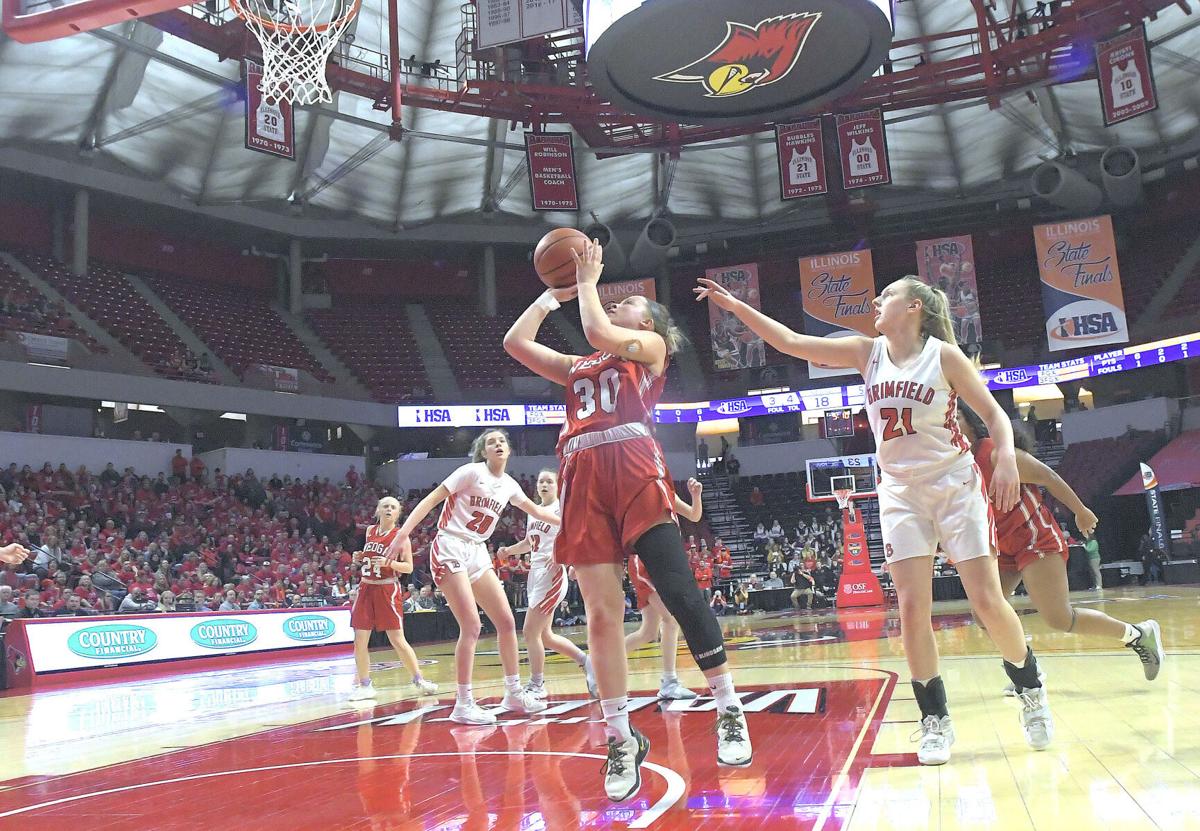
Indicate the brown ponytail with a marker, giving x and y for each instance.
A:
(665, 326)
(936, 320)
(478, 446)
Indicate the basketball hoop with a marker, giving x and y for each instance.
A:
(843, 495)
(296, 37)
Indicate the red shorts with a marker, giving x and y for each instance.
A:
(1022, 559)
(641, 582)
(611, 494)
(377, 607)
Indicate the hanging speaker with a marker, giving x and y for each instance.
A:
(650, 251)
(615, 262)
(1060, 185)
(1121, 172)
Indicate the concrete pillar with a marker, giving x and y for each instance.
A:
(487, 282)
(58, 232)
(295, 273)
(79, 245)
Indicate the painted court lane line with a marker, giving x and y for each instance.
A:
(674, 792)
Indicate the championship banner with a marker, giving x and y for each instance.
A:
(862, 146)
(1158, 525)
(1125, 76)
(734, 345)
(270, 126)
(837, 290)
(800, 150)
(33, 418)
(44, 347)
(280, 437)
(616, 292)
(1081, 284)
(949, 264)
(551, 171)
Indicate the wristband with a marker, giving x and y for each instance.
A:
(548, 301)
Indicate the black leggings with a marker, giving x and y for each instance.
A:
(661, 552)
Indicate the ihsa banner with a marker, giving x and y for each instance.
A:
(1081, 284)
(837, 290)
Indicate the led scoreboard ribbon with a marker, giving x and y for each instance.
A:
(819, 400)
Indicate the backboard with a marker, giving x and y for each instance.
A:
(826, 474)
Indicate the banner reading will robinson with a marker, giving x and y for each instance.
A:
(1081, 284)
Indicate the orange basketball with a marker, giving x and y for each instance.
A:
(552, 257)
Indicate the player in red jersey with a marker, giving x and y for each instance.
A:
(618, 498)
(378, 604)
(1033, 549)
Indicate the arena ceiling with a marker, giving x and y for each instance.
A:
(157, 111)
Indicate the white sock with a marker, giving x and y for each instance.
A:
(724, 693)
(1132, 633)
(512, 683)
(616, 717)
(669, 677)
(537, 680)
(464, 694)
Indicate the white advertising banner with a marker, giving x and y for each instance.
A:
(44, 347)
(85, 642)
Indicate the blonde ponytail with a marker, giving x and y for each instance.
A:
(665, 326)
(936, 320)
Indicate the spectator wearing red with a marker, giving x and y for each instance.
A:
(704, 579)
(179, 465)
(756, 497)
(197, 469)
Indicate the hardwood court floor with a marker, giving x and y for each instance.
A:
(829, 706)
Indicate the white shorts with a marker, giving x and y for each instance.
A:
(949, 510)
(547, 587)
(450, 555)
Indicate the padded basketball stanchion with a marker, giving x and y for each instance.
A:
(858, 585)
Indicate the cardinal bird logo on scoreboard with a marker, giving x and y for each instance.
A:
(749, 57)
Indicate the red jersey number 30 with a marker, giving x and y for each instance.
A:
(585, 388)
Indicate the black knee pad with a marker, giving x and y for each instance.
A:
(661, 552)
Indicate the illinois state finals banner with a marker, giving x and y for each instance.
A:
(1081, 284)
(734, 345)
(616, 292)
(949, 264)
(837, 290)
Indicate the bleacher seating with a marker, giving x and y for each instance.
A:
(239, 325)
(108, 298)
(24, 309)
(374, 341)
(474, 343)
(1095, 468)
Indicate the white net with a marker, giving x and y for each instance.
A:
(297, 37)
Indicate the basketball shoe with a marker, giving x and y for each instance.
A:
(521, 702)
(1148, 647)
(733, 738)
(936, 737)
(468, 712)
(361, 692)
(424, 687)
(1036, 720)
(623, 767)
(537, 691)
(672, 690)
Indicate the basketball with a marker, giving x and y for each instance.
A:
(552, 257)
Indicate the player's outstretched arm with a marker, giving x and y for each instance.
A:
(535, 510)
(516, 550)
(421, 510)
(1034, 472)
(694, 511)
(520, 340)
(851, 352)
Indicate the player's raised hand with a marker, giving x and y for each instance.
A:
(564, 295)
(14, 553)
(714, 291)
(695, 488)
(589, 266)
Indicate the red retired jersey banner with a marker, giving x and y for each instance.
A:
(801, 153)
(551, 171)
(734, 345)
(270, 126)
(949, 264)
(862, 146)
(837, 290)
(616, 292)
(1125, 76)
(1081, 285)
